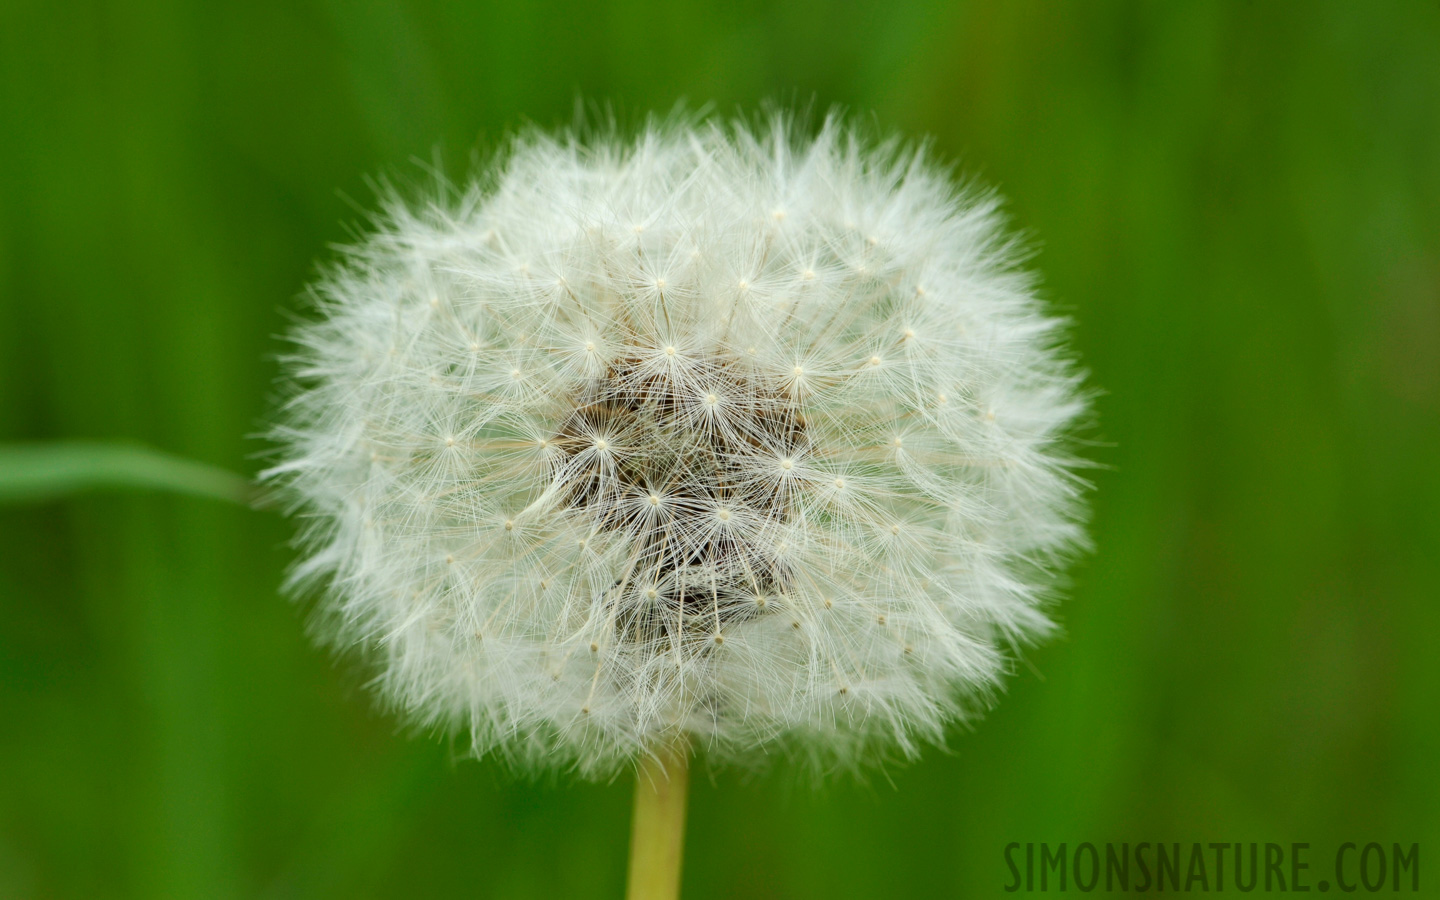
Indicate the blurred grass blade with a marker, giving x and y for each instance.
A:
(31, 473)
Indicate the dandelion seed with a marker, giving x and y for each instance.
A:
(720, 457)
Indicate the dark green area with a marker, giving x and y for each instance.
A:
(1238, 203)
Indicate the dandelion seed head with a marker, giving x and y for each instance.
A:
(749, 479)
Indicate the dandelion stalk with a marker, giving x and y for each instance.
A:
(657, 836)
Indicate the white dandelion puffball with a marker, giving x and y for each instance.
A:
(715, 432)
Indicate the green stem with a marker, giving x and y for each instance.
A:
(657, 837)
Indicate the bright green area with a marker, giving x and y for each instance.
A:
(34, 472)
(1238, 203)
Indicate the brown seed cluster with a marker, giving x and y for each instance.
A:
(680, 463)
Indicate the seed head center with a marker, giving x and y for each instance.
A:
(714, 541)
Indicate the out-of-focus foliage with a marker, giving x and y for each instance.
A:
(48, 470)
(1239, 205)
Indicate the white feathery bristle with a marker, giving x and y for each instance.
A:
(716, 431)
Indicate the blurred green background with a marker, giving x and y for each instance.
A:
(1239, 204)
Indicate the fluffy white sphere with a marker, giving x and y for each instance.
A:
(714, 432)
